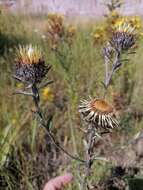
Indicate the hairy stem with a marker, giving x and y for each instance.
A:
(88, 158)
(36, 99)
(109, 75)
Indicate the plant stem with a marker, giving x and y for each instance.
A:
(116, 64)
(88, 157)
(36, 99)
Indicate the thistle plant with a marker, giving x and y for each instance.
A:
(30, 69)
(100, 115)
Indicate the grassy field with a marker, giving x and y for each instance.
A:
(27, 157)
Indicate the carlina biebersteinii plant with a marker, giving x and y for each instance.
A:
(30, 69)
(97, 112)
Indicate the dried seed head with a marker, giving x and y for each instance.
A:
(30, 66)
(124, 36)
(99, 113)
(55, 26)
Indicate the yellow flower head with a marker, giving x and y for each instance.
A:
(99, 34)
(13, 121)
(28, 54)
(71, 30)
(19, 85)
(114, 13)
(47, 94)
(136, 22)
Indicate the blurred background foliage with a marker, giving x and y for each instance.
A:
(74, 49)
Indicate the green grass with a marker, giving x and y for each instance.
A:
(27, 159)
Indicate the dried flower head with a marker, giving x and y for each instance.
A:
(30, 66)
(124, 35)
(56, 18)
(99, 113)
(58, 31)
(55, 27)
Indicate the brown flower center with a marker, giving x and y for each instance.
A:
(102, 106)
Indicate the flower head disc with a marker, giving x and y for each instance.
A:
(30, 66)
(101, 106)
(99, 113)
